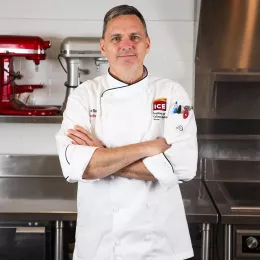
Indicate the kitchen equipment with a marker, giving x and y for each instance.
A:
(29, 199)
(74, 49)
(32, 48)
(201, 215)
(247, 242)
(234, 186)
(227, 67)
(25, 240)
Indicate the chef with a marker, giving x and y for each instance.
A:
(128, 138)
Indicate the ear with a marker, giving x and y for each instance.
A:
(102, 47)
(148, 44)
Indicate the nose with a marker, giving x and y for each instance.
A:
(127, 44)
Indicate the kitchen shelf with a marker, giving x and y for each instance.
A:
(31, 119)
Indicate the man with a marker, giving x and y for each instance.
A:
(128, 138)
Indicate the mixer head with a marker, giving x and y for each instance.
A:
(31, 47)
(80, 47)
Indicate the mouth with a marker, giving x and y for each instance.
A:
(126, 56)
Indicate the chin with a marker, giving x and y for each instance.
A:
(130, 65)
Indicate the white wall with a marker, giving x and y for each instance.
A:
(170, 25)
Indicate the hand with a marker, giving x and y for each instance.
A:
(81, 136)
(157, 146)
(142, 177)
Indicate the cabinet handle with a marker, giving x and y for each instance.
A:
(35, 230)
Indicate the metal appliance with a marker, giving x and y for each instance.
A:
(25, 240)
(234, 186)
(28, 193)
(227, 105)
(201, 214)
(32, 48)
(35, 217)
(74, 49)
(227, 61)
(248, 242)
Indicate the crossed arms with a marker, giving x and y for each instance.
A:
(124, 161)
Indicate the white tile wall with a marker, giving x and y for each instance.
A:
(91, 10)
(28, 138)
(171, 26)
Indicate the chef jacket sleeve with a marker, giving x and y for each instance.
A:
(74, 158)
(179, 162)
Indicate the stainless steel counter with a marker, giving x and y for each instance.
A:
(237, 202)
(198, 205)
(52, 198)
(35, 199)
(44, 195)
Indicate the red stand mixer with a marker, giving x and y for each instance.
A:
(32, 48)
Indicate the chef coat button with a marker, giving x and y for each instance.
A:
(112, 177)
(148, 91)
(148, 205)
(116, 209)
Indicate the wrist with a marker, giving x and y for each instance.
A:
(144, 149)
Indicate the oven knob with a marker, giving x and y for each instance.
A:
(252, 242)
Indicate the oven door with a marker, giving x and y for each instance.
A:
(22, 242)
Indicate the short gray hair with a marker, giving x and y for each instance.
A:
(122, 10)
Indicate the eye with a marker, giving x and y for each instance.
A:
(115, 39)
(135, 37)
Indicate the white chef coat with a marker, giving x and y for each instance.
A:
(128, 219)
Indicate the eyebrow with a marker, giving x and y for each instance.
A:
(119, 34)
(135, 33)
(115, 35)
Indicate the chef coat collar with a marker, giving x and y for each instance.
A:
(116, 83)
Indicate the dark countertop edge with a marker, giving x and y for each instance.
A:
(211, 219)
(240, 220)
(38, 216)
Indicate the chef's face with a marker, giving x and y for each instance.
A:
(125, 43)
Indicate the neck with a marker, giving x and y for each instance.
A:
(128, 76)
